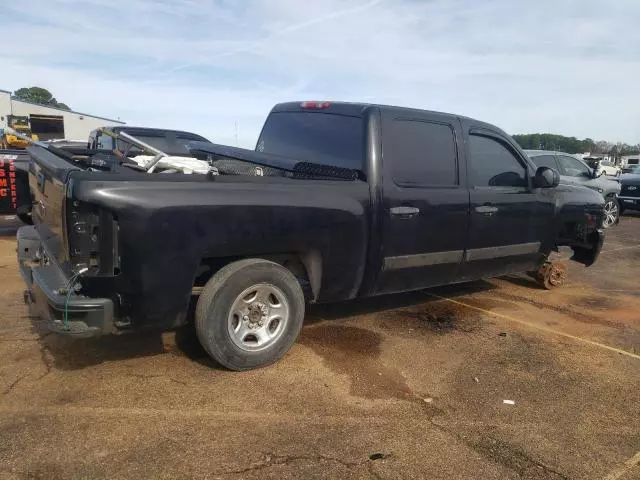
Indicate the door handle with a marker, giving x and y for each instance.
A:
(404, 211)
(486, 209)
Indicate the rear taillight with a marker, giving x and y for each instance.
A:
(93, 240)
(84, 237)
(314, 105)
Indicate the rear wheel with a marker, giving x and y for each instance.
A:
(611, 212)
(249, 314)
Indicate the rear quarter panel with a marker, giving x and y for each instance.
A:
(168, 227)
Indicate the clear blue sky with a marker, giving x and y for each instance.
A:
(562, 66)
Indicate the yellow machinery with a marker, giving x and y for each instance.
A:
(20, 125)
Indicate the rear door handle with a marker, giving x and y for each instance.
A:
(404, 211)
(486, 209)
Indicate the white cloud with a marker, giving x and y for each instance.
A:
(564, 66)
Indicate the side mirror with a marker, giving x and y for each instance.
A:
(595, 173)
(546, 178)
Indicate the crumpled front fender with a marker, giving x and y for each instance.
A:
(587, 255)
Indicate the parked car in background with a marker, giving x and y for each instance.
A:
(171, 142)
(630, 192)
(631, 169)
(609, 168)
(605, 166)
(574, 171)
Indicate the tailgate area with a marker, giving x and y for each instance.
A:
(49, 292)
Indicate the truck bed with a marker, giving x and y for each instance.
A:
(166, 230)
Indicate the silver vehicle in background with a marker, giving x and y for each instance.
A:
(607, 167)
(574, 171)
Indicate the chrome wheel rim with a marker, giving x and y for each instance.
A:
(610, 213)
(258, 317)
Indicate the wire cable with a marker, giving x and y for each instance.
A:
(70, 290)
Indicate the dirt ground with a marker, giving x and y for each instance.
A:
(409, 386)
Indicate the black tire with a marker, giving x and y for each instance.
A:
(217, 298)
(614, 201)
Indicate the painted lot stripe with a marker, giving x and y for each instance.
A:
(217, 415)
(539, 327)
(625, 468)
(619, 248)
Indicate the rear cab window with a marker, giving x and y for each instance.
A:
(315, 137)
(420, 152)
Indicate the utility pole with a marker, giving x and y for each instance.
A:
(236, 133)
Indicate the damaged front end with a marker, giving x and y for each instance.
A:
(580, 232)
(584, 236)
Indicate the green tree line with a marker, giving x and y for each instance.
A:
(39, 95)
(550, 141)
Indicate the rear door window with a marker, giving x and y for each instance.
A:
(420, 152)
(314, 137)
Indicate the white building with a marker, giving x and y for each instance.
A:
(627, 160)
(50, 122)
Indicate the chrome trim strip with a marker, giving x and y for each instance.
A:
(502, 251)
(422, 260)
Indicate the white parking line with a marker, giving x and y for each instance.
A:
(618, 249)
(189, 413)
(540, 327)
(624, 468)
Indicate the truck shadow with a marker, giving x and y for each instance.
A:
(335, 311)
(72, 354)
(187, 342)
(523, 281)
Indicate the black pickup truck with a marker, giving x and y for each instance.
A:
(338, 201)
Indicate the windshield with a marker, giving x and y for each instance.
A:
(170, 142)
(161, 143)
(322, 138)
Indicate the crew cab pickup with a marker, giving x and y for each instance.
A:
(338, 201)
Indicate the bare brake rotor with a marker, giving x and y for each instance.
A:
(552, 274)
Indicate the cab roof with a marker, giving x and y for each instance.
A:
(356, 109)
